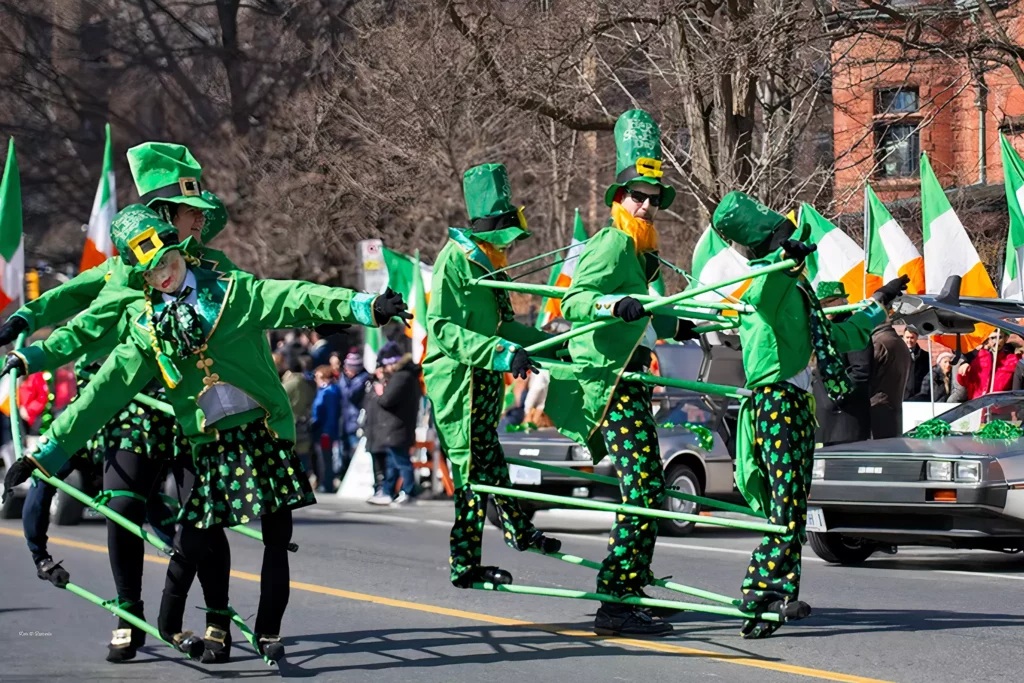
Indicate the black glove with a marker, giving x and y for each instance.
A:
(389, 305)
(521, 364)
(798, 251)
(10, 330)
(17, 473)
(629, 309)
(13, 362)
(329, 329)
(684, 330)
(888, 292)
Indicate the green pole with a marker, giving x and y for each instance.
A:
(642, 602)
(612, 481)
(247, 633)
(628, 509)
(13, 404)
(106, 511)
(705, 387)
(661, 302)
(114, 609)
(668, 585)
(846, 308)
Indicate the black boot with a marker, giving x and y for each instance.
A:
(270, 646)
(48, 570)
(616, 619)
(127, 639)
(172, 612)
(217, 640)
(495, 575)
(545, 544)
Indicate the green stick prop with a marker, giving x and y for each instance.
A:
(668, 585)
(642, 602)
(612, 481)
(628, 509)
(654, 380)
(661, 302)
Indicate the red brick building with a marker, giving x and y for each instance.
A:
(891, 104)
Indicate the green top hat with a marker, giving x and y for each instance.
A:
(831, 290)
(492, 216)
(742, 219)
(142, 239)
(638, 155)
(166, 172)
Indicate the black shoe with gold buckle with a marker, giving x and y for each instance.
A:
(270, 646)
(126, 639)
(187, 642)
(216, 645)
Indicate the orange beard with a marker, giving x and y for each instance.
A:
(644, 234)
(497, 257)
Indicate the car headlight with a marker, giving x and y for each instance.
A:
(580, 453)
(969, 472)
(819, 470)
(939, 471)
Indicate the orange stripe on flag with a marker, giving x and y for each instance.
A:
(915, 269)
(975, 282)
(91, 256)
(853, 281)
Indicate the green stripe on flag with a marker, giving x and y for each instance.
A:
(1013, 178)
(878, 215)
(10, 207)
(933, 198)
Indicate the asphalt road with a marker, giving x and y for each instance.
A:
(371, 602)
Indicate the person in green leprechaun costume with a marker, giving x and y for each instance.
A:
(472, 339)
(775, 445)
(202, 331)
(592, 403)
(139, 443)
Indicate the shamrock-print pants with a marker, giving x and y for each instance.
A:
(488, 467)
(784, 447)
(630, 435)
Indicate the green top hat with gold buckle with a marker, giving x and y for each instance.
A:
(638, 155)
(492, 216)
(142, 238)
(166, 172)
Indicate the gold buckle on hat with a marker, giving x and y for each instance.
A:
(522, 217)
(189, 187)
(649, 168)
(145, 245)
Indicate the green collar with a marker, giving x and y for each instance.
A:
(472, 249)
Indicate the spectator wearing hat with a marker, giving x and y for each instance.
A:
(391, 409)
(848, 419)
(352, 383)
(941, 380)
(326, 426)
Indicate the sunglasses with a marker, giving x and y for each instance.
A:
(641, 197)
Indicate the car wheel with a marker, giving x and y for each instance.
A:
(683, 479)
(838, 549)
(494, 518)
(65, 510)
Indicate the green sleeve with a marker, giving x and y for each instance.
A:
(60, 303)
(597, 276)
(767, 293)
(854, 333)
(448, 322)
(275, 304)
(91, 334)
(124, 374)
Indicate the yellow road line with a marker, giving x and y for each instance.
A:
(502, 621)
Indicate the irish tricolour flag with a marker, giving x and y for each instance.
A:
(12, 246)
(98, 246)
(838, 258)
(890, 252)
(714, 260)
(948, 251)
(561, 273)
(1013, 177)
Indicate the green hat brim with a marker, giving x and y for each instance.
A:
(668, 192)
(138, 271)
(503, 237)
(197, 202)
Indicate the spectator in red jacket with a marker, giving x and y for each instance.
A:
(978, 379)
(34, 395)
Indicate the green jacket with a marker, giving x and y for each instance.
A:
(608, 270)
(235, 309)
(777, 345)
(467, 327)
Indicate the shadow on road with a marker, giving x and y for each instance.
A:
(827, 622)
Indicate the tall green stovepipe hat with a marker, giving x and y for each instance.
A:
(492, 216)
(638, 155)
(742, 219)
(167, 172)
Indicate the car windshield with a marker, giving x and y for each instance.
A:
(687, 409)
(970, 416)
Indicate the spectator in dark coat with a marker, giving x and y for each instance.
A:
(920, 364)
(941, 379)
(392, 407)
(849, 420)
(889, 374)
(325, 427)
(352, 383)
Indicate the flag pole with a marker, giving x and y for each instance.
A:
(931, 375)
(867, 228)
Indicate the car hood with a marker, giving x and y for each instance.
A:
(949, 446)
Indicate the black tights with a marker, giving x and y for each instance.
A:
(128, 471)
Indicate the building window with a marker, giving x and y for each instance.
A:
(896, 129)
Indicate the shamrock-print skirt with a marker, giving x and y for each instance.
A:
(244, 475)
